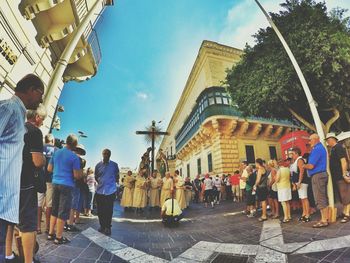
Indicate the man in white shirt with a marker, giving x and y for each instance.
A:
(171, 212)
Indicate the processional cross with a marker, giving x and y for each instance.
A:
(152, 133)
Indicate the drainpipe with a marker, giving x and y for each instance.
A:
(311, 102)
(62, 63)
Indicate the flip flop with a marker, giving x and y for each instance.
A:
(262, 219)
(320, 224)
(345, 219)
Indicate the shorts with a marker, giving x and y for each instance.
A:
(344, 191)
(250, 198)
(235, 190)
(28, 210)
(319, 187)
(75, 197)
(273, 194)
(61, 201)
(284, 194)
(302, 192)
(47, 197)
(261, 193)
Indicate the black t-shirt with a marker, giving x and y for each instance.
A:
(251, 179)
(337, 153)
(33, 142)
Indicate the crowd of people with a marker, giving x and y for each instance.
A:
(36, 176)
(297, 183)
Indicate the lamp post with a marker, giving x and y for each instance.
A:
(311, 101)
(82, 134)
(55, 121)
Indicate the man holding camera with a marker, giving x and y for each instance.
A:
(66, 166)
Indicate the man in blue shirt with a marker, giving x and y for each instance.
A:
(107, 175)
(65, 165)
(28, 95)
(317, 170)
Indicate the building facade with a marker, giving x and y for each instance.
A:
(33, 36)
(207, 133)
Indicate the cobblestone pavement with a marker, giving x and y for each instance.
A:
(222, 234)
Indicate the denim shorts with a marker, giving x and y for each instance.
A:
(61, 201)
(76, 196)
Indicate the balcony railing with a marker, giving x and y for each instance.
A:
(95, 46)
(211, 102)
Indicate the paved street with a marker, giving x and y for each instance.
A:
(216, 235)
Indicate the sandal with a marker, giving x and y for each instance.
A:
(275, 216)
(51, 237)
(262, 219)
(345, 219)
(320, 224)
(286, 220)
(62, 240)
(38, 232)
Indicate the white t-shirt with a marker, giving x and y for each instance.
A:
(208, 184)
(167, 207)
(242, 184)
(217, 182)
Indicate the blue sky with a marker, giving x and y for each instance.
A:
(148, 49)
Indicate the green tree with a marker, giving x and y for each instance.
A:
(264, 83)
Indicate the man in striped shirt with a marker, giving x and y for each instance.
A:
(28, 95)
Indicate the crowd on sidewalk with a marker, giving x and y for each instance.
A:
(38, 177)
(35, 176)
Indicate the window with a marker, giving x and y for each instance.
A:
(225, 99)
(273, 152)
(211, 100)
(218, 100)
(199, 166)
(249, 150)
(205, 103)
(210, 163)
(188, 170)
(171, 150)
(180, 171)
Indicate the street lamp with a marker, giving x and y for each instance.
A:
(56, 122)
(82, 134)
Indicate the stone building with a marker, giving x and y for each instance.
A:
(33, 36)
(207, 133)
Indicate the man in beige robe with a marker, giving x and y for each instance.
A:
(128, 192)
(180, 190)
(140, 192)
(167, 188)
(154, 186)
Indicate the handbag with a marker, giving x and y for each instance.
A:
(39, 181)
(347, 177)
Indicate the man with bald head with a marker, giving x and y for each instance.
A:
(317, 170)
(107, 175)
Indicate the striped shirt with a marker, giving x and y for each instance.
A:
(12, 130)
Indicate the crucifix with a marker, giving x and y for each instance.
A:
(152, 133)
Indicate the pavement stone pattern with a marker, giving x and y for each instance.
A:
(222, 234)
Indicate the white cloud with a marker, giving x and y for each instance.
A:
(246, 18)
(141, 95)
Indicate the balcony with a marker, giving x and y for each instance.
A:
(212, 101)
(54, 31)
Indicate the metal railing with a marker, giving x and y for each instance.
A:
(95, 46)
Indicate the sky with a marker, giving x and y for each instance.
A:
(148, 49)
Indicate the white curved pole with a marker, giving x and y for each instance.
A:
(308, 94)
(62, 63)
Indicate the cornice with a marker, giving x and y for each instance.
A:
(207, 48)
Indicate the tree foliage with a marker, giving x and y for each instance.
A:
(264, 83)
